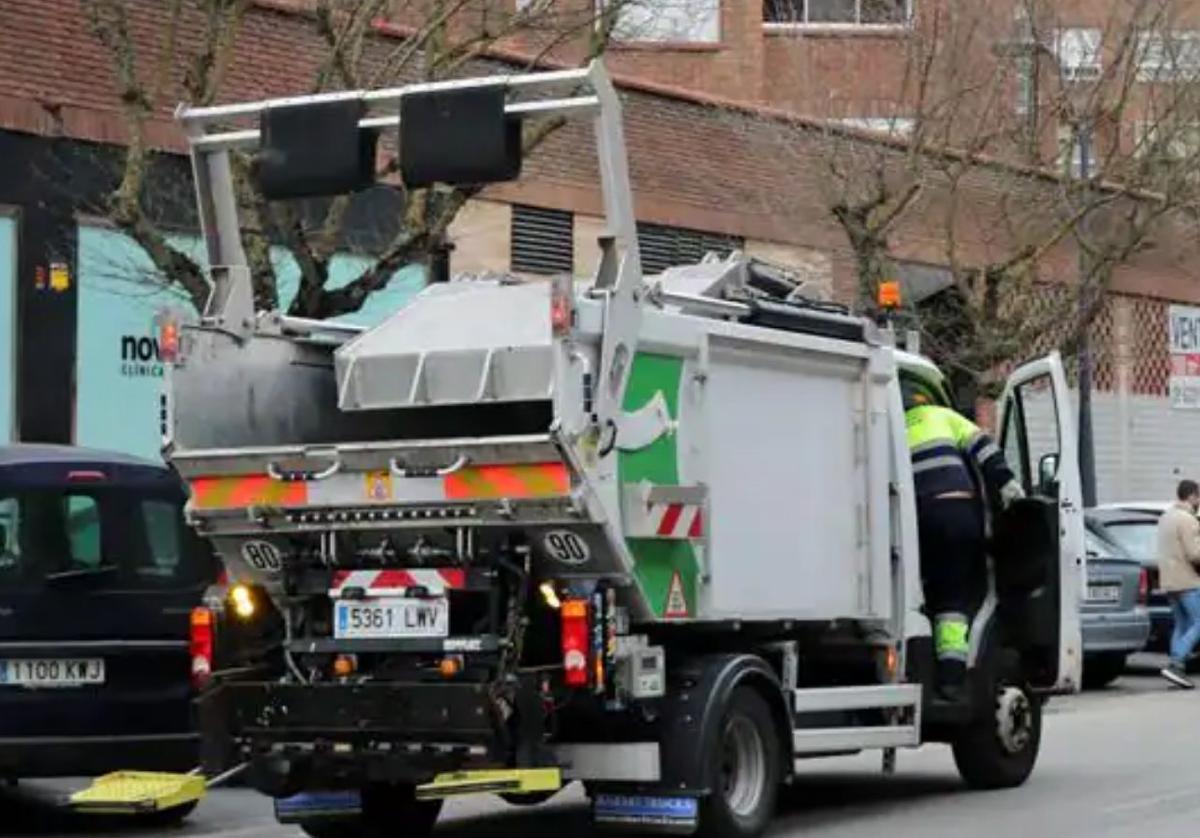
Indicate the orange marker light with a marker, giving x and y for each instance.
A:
(451, 666)
(889, 294)
(344, 666)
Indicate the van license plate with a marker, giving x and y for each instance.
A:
(1104, 593)
(391, 617)
(51, 672)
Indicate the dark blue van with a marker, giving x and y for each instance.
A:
(98, 576)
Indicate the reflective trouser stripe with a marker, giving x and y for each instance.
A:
(950, 636)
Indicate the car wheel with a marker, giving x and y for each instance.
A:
(1000, 748)
(745, 765)
(1101, 670)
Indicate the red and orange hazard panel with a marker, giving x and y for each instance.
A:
(492, 482)
(246, 490)
(532, 480)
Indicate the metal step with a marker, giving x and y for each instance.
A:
(856, 698)
(834, 739)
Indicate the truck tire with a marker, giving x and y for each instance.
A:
(387, 811)
(999, 750)
(745, 764)
(527, 800)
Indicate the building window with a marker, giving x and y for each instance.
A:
(1170, 56)
(662, 247)
(542, 240)
(1167, 143)
(838, 12)
(667, 21)
(896, 127)
(1076, 151)
(1078, 53)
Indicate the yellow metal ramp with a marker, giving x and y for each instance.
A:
(137, 792)
(496, 781)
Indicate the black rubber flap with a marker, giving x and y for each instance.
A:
(458, 137)
(315, 149)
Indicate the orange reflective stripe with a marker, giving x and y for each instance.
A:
(534, 480)
(249, 490)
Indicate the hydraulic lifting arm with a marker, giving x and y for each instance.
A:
(216, 132)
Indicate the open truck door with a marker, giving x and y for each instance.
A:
(1039, 578)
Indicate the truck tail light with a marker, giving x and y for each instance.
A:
(1144, 587)
(575, 641)
(168, 337)
(200, 643)
(562, 315)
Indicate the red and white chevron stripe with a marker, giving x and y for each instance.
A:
(392, 582)
(676, 520)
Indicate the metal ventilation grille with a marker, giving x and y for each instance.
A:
(662, 246)
(543, 240)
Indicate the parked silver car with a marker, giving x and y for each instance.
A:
(1113, 615)
(1134, 526)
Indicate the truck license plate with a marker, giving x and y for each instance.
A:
(391, 617)
(1104, 593)
(51, 672)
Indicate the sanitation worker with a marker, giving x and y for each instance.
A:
(944, 446)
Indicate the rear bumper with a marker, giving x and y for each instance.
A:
(1161, 626)
(336, 735)
(73, 756)
(1125, 631)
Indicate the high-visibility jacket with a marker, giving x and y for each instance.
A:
(941, 443)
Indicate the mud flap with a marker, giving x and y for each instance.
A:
(646, 813)
(318, 805)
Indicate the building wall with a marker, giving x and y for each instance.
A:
(118, 371)
(8, 326)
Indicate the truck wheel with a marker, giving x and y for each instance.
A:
(392, 810)
(999, 750)
(1101, 670)
(535, 799)
(745, 767)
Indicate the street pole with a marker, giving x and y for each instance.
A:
(1087, 449)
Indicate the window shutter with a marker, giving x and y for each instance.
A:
(542, 240)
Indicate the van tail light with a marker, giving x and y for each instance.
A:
(1144, 587)
(200, 643)
(575, 641)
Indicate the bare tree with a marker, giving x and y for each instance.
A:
(1024, 157)
(432, 39)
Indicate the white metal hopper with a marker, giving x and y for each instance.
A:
(456, 343)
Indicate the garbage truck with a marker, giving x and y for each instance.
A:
(652, 534)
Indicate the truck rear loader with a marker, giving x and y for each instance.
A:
(656, 535)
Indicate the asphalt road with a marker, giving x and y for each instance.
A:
(1124, 761)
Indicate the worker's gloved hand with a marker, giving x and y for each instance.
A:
(1010, 492)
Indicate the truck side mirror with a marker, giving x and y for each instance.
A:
(1047, 472)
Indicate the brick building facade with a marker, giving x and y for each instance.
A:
(709, 172)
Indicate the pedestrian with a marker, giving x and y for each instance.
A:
(1178, 556)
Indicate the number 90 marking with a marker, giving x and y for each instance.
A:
(566, 547)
